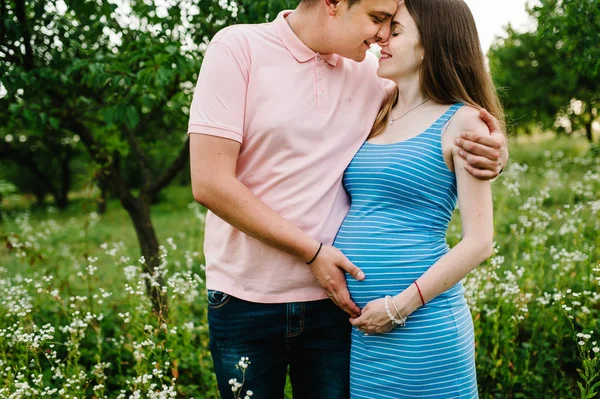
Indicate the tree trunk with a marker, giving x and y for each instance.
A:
(61, 199)
(140, 216)
(28, 162)
(65, 174)
(137, 208)
(102, 177)
(103, 186)
(588, 130)
(40, 197)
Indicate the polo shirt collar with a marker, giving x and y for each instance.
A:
(299, 50)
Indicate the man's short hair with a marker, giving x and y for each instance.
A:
(313, 2)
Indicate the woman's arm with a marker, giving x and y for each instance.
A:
(486, 152)
(476, 245)
(476, 213)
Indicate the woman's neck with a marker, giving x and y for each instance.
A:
(410, 94)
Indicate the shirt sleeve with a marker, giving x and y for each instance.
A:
(219, 102)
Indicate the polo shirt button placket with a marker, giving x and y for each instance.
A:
(321, 89)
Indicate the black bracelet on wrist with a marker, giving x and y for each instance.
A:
(315, 257)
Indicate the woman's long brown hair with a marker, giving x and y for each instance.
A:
(453, 68)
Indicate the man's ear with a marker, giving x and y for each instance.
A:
(332, 7)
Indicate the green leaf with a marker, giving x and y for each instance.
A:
(163, 76)
(28, 114)
(109, 116)
(582, 389)
(132, 118)
(54, 122)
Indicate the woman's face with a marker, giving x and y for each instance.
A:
(403, 54)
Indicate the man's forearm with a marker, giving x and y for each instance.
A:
(237, 205)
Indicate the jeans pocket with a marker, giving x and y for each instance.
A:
(217, 299)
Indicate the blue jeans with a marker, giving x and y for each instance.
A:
(312, 338)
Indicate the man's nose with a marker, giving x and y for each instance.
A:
(383, 34)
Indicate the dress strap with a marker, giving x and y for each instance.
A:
(447, 116)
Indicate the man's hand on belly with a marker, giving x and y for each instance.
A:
(328, 267)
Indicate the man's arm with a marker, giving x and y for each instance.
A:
(216, 132)
(486, 155)
(214, 185)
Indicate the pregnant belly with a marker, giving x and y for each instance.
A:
(392, 267)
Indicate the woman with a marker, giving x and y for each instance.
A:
(414, 337)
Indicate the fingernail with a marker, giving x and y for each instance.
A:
(360, 275)
(457, 141)
(462, 153)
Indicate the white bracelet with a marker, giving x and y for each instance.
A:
(401, 321)
(396, 308)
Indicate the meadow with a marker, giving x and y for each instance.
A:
(75, 321)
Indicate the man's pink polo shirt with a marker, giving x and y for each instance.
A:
(300, 117)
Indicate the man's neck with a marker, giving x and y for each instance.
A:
(307, 23)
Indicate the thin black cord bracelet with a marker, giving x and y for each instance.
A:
(315, 257)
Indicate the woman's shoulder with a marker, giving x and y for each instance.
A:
(466, 118)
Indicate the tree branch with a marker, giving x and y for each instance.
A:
(156, 113)
(21, 14)
(169, 174)
(25, 160)
(2, 19)
(142, 157)
(100, 155)
(10, 58)
(131, 136)
(5, 48)
(9, 46)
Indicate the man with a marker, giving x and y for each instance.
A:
(279, 111)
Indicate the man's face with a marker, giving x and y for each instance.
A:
(354, 29)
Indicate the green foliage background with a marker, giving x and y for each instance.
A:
(94, 94)
(542, 72)
(546, 270)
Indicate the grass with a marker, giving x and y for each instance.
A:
(74, 318)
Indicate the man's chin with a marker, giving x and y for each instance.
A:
(357, 56)
(360, 56)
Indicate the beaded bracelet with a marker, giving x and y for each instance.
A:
(401, 321)
(396, 308)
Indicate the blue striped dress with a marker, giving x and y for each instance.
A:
(402, 199)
